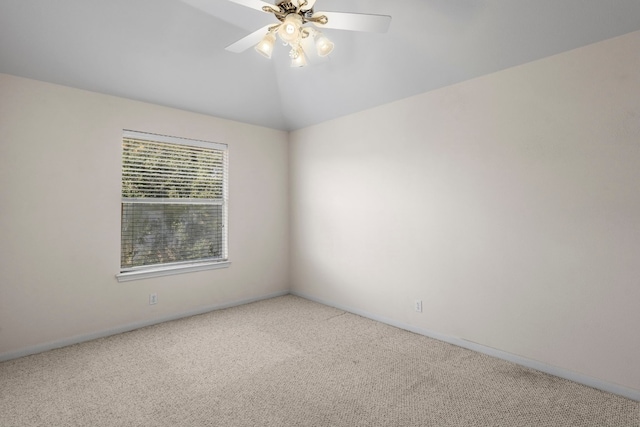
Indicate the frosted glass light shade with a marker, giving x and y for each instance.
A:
(298, 59)
(265, 47)
(289, 30)
(324, 46)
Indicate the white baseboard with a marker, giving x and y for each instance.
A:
(523, 361)
(129, 327)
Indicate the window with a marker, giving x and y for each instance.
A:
(174, 205)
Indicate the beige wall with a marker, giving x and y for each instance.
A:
(60, 160)
(509, 204)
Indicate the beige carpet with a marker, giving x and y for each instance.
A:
(289, 362)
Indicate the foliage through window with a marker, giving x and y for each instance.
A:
(174, 201)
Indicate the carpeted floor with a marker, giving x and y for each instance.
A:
(289, 362)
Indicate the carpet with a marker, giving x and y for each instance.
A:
(288, 361)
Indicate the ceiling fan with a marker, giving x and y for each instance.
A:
(303, 40)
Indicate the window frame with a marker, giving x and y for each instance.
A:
(179, 267)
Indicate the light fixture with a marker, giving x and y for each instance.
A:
(324, 46)
(293, 33)
(297, 56)
(265, 47)
(289, 30)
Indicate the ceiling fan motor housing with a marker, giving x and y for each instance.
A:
(288, 7)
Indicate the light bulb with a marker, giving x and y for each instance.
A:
(324, 46)
(289, 31)
(265, 47)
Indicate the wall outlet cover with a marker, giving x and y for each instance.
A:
(418, 305)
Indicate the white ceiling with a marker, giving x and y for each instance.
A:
(169, 53)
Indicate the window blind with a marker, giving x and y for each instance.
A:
(174, 194)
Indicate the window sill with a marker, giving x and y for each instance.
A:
(170, 270)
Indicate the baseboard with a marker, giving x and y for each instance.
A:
(130, 327)
(523, 361)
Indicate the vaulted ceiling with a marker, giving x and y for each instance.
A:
(170, 53)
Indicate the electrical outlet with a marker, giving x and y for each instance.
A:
(418, 305)
(153, 299)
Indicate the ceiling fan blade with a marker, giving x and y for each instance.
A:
(254, 4)
(355, 21)
(209, 7)
(249, 41)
